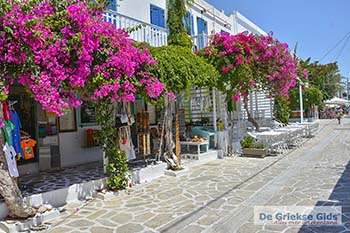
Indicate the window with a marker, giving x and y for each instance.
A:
(113, 5)
(202, 27)
(87, 114)
(157, 16)
(188, 23)
(202, 31)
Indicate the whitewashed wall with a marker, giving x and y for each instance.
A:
(217, 20)
(139, 9)
(73, 150)
(241, 24)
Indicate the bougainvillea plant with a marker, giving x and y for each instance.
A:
(63, 52)
(248, 62)
(56, 50)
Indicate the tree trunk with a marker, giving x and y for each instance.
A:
(8, 187)
(169, 155)
(250, 118)
(177, 138)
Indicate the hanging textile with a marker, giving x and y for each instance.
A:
(10, 154)
(27, 147)
(8, 128)
(6, 111)
(126, 142)
(16, 133)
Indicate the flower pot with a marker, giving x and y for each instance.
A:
(254, 152)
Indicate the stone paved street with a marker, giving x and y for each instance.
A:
(220, 196)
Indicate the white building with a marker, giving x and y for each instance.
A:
(205, 20)
(62, 142)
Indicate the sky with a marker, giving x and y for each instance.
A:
(320, 27)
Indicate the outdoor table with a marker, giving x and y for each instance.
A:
(198, 144)
(311, 127)
(270, 137)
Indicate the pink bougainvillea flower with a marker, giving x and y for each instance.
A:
(82, 53)
(256, 61)
(170, 94)
(224, 69)
(236, 97)
(305, 73)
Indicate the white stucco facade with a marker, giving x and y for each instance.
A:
(130, 13)
(217, 20)
(72, 145)
(139, 9)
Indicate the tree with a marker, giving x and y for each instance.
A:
(281, 109)
(324, 77)
(311, 96)
(63, 52)
(249, 62)
(179, 69)
(177, 31)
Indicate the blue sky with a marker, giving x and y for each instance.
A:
(317, 25)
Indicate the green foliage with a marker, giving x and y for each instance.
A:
(177, 31)
(247, 141)
(180, 69)
(311, 96)
(324, 77)
(117, 168)
(180, 39)
(281, 109)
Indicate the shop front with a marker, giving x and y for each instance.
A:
(53, 142)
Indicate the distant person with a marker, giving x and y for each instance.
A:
(339, 114)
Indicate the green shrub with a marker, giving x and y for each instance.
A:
(247, 141)
(250, 142)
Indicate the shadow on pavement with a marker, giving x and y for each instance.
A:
(340, 196)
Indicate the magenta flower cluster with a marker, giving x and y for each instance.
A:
(248, 62)
(61, 53)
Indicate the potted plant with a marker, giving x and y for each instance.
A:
(252, 148)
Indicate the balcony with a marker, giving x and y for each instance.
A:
(154, 35)
(200, 41)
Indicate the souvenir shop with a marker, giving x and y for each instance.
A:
(20, 131)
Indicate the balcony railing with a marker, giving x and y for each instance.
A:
(200, 41)
(154, 35)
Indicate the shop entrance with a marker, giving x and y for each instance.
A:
(20, 102)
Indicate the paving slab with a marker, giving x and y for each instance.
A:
(220, 196)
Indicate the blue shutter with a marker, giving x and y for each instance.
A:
(113, 5)
(157, 16)
(191, 19)
(202, 28)
(162, 18)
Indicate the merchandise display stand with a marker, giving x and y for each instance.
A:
(144, 135)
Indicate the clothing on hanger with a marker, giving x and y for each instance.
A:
(16, 132)
(27, 147)
(10, 154)
(6, 111)
(125, 143)
(8, 128)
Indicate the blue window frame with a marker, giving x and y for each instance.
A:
(202, 31)
(189, 23)
(157, 16)
(113, 5)
(202, 27)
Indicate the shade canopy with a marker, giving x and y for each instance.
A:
(336, 100)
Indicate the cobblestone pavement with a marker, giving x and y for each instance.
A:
(220, 196)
